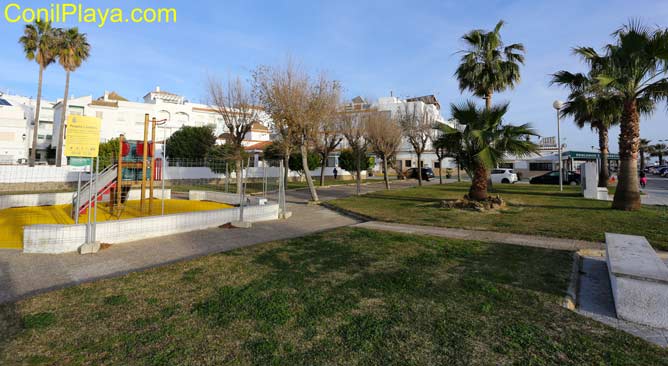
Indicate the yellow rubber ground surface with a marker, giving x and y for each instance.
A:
(12, 220)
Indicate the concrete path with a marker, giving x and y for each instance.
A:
(487, 236)
(23, 275)
(595, 301)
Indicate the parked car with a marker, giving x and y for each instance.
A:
(506, 176)
(661, 171)
(427, 173)
(657, 170)
(570, 178)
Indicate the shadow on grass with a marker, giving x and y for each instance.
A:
(10, 321)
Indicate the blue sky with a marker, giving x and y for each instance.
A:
(372, 47)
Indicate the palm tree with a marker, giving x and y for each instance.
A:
(486, 140)
(39, 41)
(589, 104)
(488, 66)
(659, 150)
(632, 69)
(73, 50)
(643, 149)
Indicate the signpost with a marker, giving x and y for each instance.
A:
(82, 145)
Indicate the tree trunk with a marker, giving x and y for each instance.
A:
(488, 100)
(603, 173)
(286, 168)
(440, 171)
(642, 160)
(627, 195)
(478, 189)
(387, 180)
(307, 173)
(238, 164)
(358, 171)
(459, 176)
(322, 169)
(419, 169)
(61, 134)
(35, 130)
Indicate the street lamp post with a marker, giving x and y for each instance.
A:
(558, 105)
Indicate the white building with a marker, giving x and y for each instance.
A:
(406, 157)
(16, 129)
(121, 116)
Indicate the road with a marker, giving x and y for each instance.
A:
(656, 192)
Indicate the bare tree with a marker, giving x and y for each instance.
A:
(416, 126)
(384, 136)
(238, 107)
(275, 89)
(328, 139)
(353, 129)
(300, 104)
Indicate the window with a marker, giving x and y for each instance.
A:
(506, 165)
(437, 164)
(540, 166)
(49, 137)
(498, 171)
(331, 161)
(408, 163)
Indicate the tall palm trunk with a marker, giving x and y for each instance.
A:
(603, 173)
(642, 160)
(627, 195)
(63, 114)
(387, 180)
(459, 174)
(419, 169)
(307, 173)
(35, 130)
(478, 189)
(488, 100)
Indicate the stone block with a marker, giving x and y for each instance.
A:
(639, 280)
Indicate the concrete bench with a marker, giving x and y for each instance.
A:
(639, 280)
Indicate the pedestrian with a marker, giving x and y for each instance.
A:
(643, 179)
(336, 173)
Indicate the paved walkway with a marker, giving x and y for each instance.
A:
(595, 301)
(487, 236)
(23, 275)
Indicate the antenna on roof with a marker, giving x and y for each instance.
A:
(391, 93)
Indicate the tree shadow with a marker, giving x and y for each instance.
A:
(10, 320)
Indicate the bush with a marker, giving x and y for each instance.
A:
(191, 143)
(347, 161)
(295, 163)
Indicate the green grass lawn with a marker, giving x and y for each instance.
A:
(347, 297)
(532, 209)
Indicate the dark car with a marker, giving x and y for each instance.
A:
(552, 177)
(427, 173)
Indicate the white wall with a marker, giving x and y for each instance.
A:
(56, 239)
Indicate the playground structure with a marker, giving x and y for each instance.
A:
(135, 164)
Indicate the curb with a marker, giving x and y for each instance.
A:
(570, 301)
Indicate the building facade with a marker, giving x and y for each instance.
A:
(17, 127)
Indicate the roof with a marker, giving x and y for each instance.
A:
(587, 155)
(105, 103)
(114, 96)
(258, 146)
(257, 126)
(426, 99)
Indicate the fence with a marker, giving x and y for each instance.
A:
(43, 200)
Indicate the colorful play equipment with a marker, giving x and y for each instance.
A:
(136, 165)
